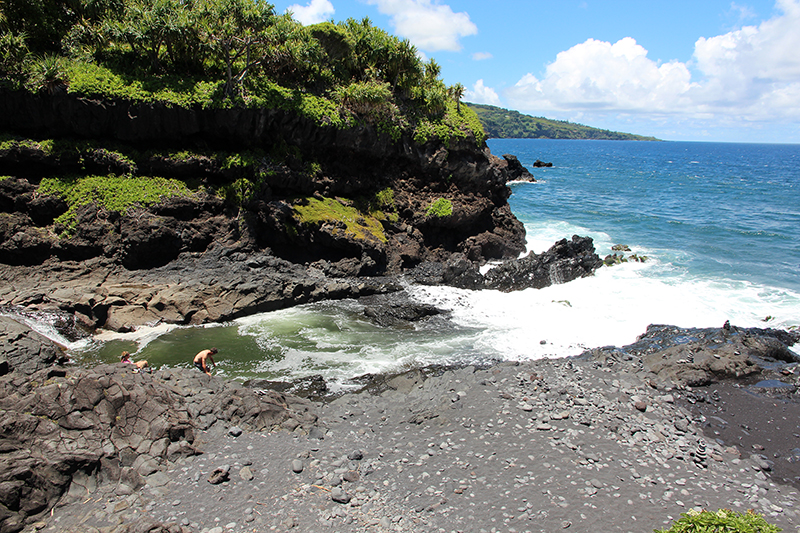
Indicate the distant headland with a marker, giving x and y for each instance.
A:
(502, 123)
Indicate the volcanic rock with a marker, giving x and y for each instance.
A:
(563, 262)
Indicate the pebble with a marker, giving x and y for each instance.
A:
(246, 474)
(297, 466)
(340, 496)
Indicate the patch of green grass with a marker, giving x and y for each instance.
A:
(114, 193)
(452, 125)
(359, 225)
(384, 200)
(723, 521)
(90, 79)
(246, 159)
(9, 142)
(441, 207)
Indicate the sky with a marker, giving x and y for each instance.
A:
(686, 70)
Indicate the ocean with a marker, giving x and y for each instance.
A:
(718, 223)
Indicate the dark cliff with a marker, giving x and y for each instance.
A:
(310, 199)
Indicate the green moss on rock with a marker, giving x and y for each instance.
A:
(441, 207)
(357, 225)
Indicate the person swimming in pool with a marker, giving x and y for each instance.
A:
(202, 358)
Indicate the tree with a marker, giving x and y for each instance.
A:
(457, 93)
(43, 22)
(236, 31)
(153, 29)
(290, 53)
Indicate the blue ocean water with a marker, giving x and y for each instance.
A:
(729, 211)
(719, 224)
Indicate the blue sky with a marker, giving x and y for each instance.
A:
(712, 70)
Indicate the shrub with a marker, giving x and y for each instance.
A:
(440, 208)
(48, 74)
(13, 52)
(365, 97)
(723, 521)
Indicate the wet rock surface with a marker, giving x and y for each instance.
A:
(587, 444)
(516, 171)
(563, 262)
(24, 350)
(219, 285)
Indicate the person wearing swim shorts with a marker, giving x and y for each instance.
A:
(202, 359)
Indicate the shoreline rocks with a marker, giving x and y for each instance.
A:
(550, 439)
(224, 283)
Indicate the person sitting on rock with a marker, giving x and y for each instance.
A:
(202, 358)
(126, 358)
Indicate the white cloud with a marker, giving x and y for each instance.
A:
(751, 74)
(480, 56)
(429, 25)
(480, 94)
(597, 75)
(313, 12)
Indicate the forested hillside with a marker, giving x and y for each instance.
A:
(502, 123)
(227, 53)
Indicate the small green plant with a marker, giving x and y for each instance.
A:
(723, 521)
(313, 168)
(384, 200)
(440, 208)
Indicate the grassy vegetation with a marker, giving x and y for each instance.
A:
(457, 123)
(502, 123)
(357, 224)
(441, 207)
(113, 193)
(723, 521)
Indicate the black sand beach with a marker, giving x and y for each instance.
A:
(551, 445)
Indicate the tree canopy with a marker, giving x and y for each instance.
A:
(238, 48)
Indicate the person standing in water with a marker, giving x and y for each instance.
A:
(202, 358)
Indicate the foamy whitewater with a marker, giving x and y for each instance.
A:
(719, 224)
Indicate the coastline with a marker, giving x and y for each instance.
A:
(546, 445)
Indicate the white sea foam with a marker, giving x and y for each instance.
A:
(143, 335)
(612, 307)
(47, 330)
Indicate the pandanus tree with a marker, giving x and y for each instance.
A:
(457, 93)
(236, 32)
